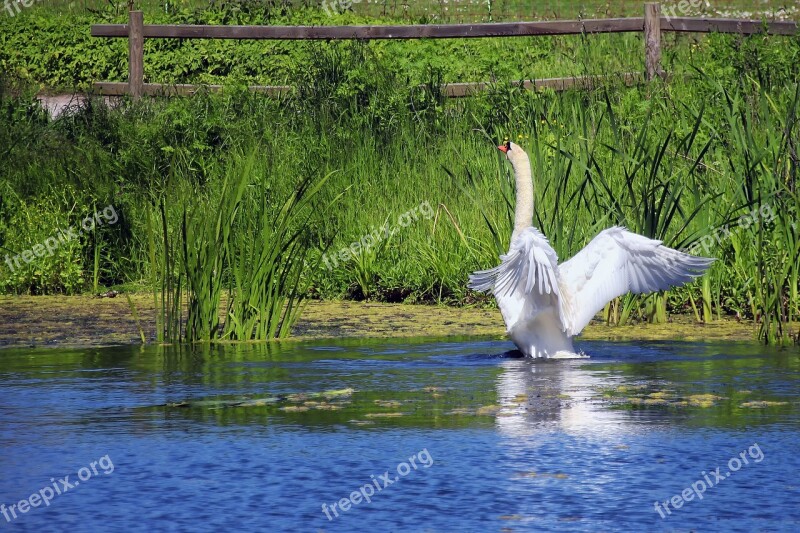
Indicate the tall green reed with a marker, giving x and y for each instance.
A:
(270, 270)
(238, 262)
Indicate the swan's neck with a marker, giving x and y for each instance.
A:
(523, 213)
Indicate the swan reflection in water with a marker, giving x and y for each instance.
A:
(539, 395)
(564, 446)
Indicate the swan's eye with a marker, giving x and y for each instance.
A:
(508, 145)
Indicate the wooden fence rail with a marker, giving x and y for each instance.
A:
(411, 31)
(651, 25)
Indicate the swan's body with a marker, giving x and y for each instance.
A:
(545, 304)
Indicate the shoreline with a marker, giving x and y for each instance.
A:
(87, 321)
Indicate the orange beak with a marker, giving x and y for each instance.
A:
(503, 148)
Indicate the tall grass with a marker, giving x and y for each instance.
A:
(243, 259)
(229, 234)
(270, 267)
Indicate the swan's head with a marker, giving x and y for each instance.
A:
(515, 154)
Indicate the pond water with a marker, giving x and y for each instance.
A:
(438, 435)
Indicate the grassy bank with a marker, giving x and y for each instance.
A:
(703, 166)
(412, 195)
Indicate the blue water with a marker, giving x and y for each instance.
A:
(259, 437)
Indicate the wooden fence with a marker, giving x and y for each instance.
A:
(652, 24)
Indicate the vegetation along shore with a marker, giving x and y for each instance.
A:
(365, 183)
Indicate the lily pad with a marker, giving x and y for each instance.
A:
(762, 404)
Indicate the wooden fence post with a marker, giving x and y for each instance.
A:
(135, 54)
(652, 40)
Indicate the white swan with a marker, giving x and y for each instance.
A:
(545, 304)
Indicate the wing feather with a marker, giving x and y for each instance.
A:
(614, 263)
(530, 266)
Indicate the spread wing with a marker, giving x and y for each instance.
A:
(529, 268)
(614, 263)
